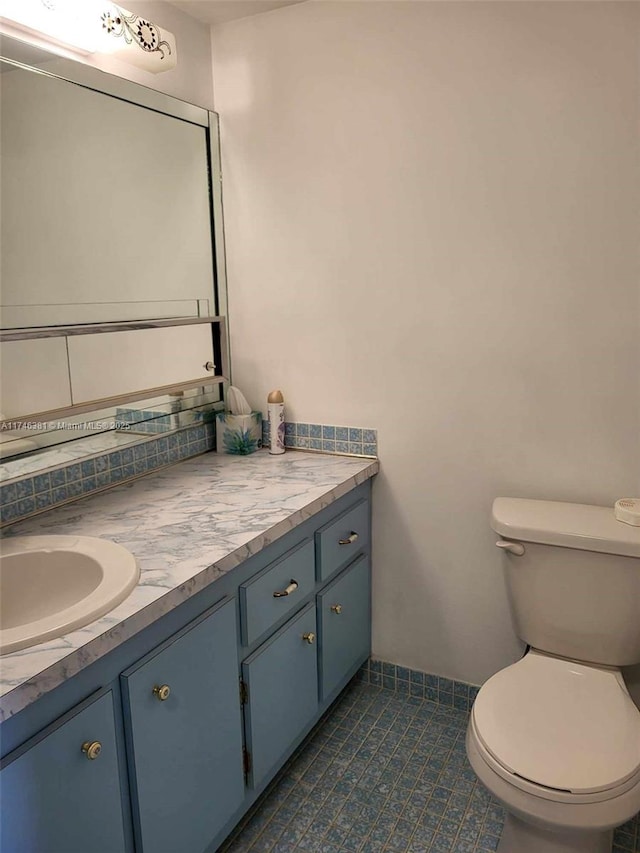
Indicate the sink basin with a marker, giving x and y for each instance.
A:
(50, 585)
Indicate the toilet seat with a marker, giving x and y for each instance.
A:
(561, 726)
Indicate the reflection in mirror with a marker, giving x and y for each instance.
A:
(107, 207)
(39, 444)
(110, 212)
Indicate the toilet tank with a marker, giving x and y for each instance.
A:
(575, 591)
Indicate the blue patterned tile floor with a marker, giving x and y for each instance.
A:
(381, 772)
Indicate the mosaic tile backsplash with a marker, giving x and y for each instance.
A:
(148, 422)
(24, 496)
(21, 498)
(351, 441)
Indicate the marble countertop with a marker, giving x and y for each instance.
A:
(186, 525)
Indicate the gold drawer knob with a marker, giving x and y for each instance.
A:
(336, 608)
(349, 540)
(310, 637)
(92, 749)
(162, 692)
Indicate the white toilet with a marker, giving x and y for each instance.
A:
(555, 737)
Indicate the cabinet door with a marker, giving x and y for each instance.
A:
(344, 622)
(184, 732)
(282, 685)
(57, 798)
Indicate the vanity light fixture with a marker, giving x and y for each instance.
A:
(94, 26)
(136, 39)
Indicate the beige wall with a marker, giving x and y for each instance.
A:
(431, 218)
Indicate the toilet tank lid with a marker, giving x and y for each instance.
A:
(589, 528)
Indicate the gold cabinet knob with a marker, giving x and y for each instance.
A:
(336, 608)
(92, 749)
(351, 538)
(310, 637)
(162, 692)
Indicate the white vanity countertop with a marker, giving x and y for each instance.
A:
(187, 525)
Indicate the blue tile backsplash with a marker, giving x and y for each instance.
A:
(21, 498)
(146, 421)
(349, 441)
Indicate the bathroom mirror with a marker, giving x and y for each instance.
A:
(111, 213)
(105, 207)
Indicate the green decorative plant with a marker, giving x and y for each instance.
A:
(240, 442)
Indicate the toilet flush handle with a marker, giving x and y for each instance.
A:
(516, 548)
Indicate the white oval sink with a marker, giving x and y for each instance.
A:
(50, 585)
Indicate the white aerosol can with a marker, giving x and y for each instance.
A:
(275, 405)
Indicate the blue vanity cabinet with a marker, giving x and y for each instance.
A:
(60, 792)
(184, 736)
(344, 625)
(197, 712)
(281, 683)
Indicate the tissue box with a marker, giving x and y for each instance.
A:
(238, 434)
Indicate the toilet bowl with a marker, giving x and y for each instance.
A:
(558, 744)
(555, 737)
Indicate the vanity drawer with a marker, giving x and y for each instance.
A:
(341, 540)
(292, 577)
